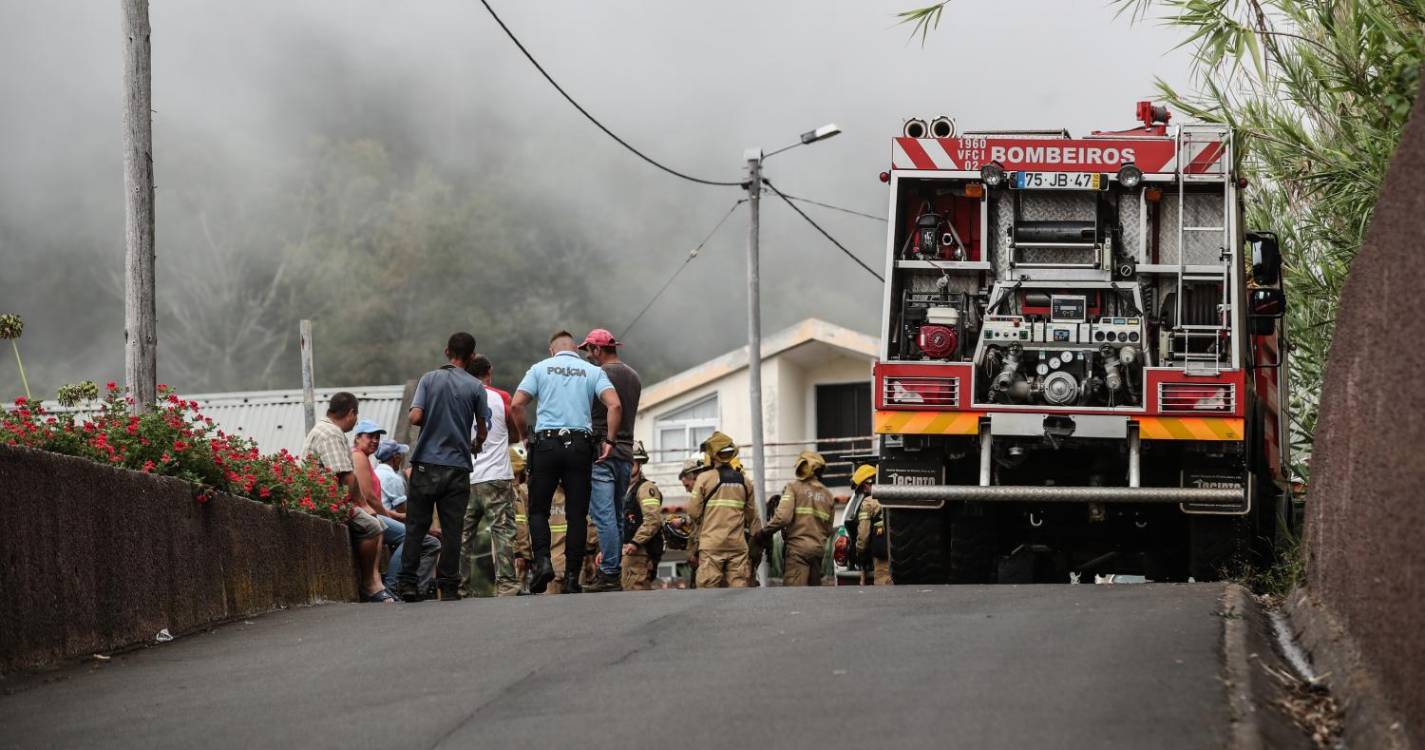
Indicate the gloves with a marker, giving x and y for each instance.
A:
(763, 537)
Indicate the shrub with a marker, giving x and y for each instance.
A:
(174, 439)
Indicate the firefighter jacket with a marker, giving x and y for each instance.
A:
(721, 508)
(804, 515)
(871, 529)
(650, 501)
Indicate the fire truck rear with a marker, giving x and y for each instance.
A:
(1081, 367)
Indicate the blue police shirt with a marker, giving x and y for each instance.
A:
(565, 387)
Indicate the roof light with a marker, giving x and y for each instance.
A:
(1129, 175)
(992, 174)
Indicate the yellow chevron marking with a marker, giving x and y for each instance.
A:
(1190, 428)
(927, 422)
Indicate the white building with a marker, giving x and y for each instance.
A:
(816, 393)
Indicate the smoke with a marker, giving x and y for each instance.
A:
(247, 96)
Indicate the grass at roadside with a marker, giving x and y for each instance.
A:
(1278, 579)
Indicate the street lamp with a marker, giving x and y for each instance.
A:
(755, 157)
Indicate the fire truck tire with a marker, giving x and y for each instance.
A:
(1217, 546)
(918, 546)
(973, 550)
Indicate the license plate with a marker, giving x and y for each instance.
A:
(1058, 180)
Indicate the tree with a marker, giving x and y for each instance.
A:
(1319, 92)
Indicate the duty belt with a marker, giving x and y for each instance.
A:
(563, 434)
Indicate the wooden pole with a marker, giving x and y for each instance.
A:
(140, 329)
(309, 388)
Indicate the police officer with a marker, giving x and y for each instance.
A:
(871, 549)
(804, 517)
(563, 449)
(642, 527)
(723, 514)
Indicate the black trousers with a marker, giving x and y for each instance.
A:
(566, 460)
(436, 489)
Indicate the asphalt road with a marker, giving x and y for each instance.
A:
(981, 667)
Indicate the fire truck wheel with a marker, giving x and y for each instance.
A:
(1217, 546)
(973, 549)
(918, 546)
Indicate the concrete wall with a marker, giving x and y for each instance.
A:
(1365, 531)
(94, 559)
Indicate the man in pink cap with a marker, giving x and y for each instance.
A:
(611, 477)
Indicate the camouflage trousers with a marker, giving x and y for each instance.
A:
(487, 541)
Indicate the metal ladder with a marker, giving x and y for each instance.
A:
(1184, 142)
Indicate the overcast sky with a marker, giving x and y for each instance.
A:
(241, 86)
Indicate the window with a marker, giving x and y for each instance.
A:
(678, 433)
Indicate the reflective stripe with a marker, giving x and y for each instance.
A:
(561, 527)
(863, 516)
(723, 503)
(521, 518)
(823, 515)
(926, 422)
(1190, 428)
(651, 503)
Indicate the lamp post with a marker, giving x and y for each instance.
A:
(755, 157)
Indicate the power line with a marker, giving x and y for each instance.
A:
(691, 255)
(590, 117)
(851, 211)
(824, 233)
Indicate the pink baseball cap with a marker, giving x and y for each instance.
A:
(599, 337)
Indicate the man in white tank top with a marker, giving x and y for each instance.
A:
(492, 495)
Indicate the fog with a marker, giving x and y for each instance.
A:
(244, 92)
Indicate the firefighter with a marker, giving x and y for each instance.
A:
(871, 549)
(522, 548)
(804, 517)
(642, 527)
(722, 512)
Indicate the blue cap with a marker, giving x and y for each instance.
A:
(389, 448)
(366, 427)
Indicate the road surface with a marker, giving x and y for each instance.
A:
(977, 667)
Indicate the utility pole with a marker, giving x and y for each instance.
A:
(754, 323)
(755, 157)
(309, 388)
(140, 328)
(754, 340)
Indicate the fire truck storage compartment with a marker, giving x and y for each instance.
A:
(1202, 208)
(937, 220)
(1047, 228)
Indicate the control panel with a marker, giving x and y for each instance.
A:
(1005, 329)
(1117, 331)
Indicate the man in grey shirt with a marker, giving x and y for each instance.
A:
(610, 477)
(449, 402)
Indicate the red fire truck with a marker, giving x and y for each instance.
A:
(1082, 360)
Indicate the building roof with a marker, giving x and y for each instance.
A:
(809, 331)
(274, 418)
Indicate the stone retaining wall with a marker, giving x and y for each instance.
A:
(1365, 526)
(94, 558)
